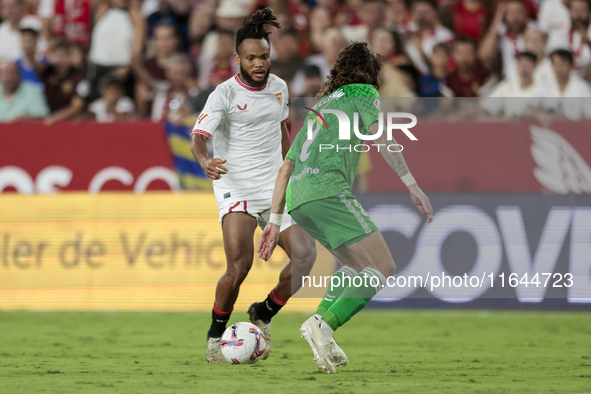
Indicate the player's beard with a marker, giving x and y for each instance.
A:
(251, 82)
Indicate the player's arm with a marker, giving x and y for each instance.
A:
(213, 167)
(285, 140)
(396, 161)
(271, 232)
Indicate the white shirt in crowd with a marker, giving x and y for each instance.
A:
(510, 46)
(245, 124)
(99, 109)
(572, 40)
(112, 39)
(509, 98)
(574, 102)
(10, 40)
(553, 15)
(543, 74)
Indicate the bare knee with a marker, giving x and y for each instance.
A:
(238, 270)
(389, 269)
(303, 260)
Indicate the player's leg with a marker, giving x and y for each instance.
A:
(373, 255)
(238, 231)
(354, 240)
(302, 253)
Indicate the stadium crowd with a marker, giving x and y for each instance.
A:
(127, 59)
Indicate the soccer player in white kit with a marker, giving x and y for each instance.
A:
(246, 117)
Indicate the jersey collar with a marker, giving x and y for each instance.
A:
(237, 78)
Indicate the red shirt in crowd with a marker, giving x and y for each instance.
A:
(468, 23)
(470, 87)
(59, 91)
(72, 20)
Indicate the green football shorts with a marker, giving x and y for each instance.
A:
(334, 221)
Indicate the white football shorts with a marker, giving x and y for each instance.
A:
(259, 209)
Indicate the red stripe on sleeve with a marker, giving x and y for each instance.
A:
(202, 132)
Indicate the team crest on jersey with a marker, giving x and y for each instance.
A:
(378, 104)
(279, 98)
(243, 108)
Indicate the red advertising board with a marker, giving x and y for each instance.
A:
(513, 157)
(447, 157)
(84, 156)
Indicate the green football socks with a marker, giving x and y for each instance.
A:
(353, 298)
(335, 288)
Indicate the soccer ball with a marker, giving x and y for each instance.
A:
(243, 343)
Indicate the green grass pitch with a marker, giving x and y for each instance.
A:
(389, 351)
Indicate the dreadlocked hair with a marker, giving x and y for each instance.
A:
(254, 28)
(355, 64)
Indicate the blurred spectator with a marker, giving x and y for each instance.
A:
(567, 83)
(12, 13)
(575, 37)
(113, 104)
(430, 84)
(565, 95)
(312, 81)
(333, 42)
(371, 16)
(174, 13)
(220, 74)
(553, 15)
(287, 61)
(425, 31)
(151, 71)
(30, 65)
(179, 86)
(349, 13)
(470, 74)
(223, 54)
(506, 35)
(66, 19)
(19, 101)
(535, 42)
(469, 18)
(65, 89)
(229, 16)
(118, 34)
(397, 64)
(78, 59)
(223, 14)
(524, 85)
(320, 21)
(397, 15)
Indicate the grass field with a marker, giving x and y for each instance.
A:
(394, 351)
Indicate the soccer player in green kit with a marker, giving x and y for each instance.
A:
(315, 182)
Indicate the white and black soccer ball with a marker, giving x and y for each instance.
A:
(243, 343)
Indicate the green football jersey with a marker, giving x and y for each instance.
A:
(325, 165)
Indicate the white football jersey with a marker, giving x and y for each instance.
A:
(245, 124)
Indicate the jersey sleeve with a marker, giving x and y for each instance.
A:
(212, 114)
(288, 156)
(285, 114)
(369, 106)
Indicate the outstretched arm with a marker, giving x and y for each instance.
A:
(271, 232)
(396, 161)
(213, 167)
